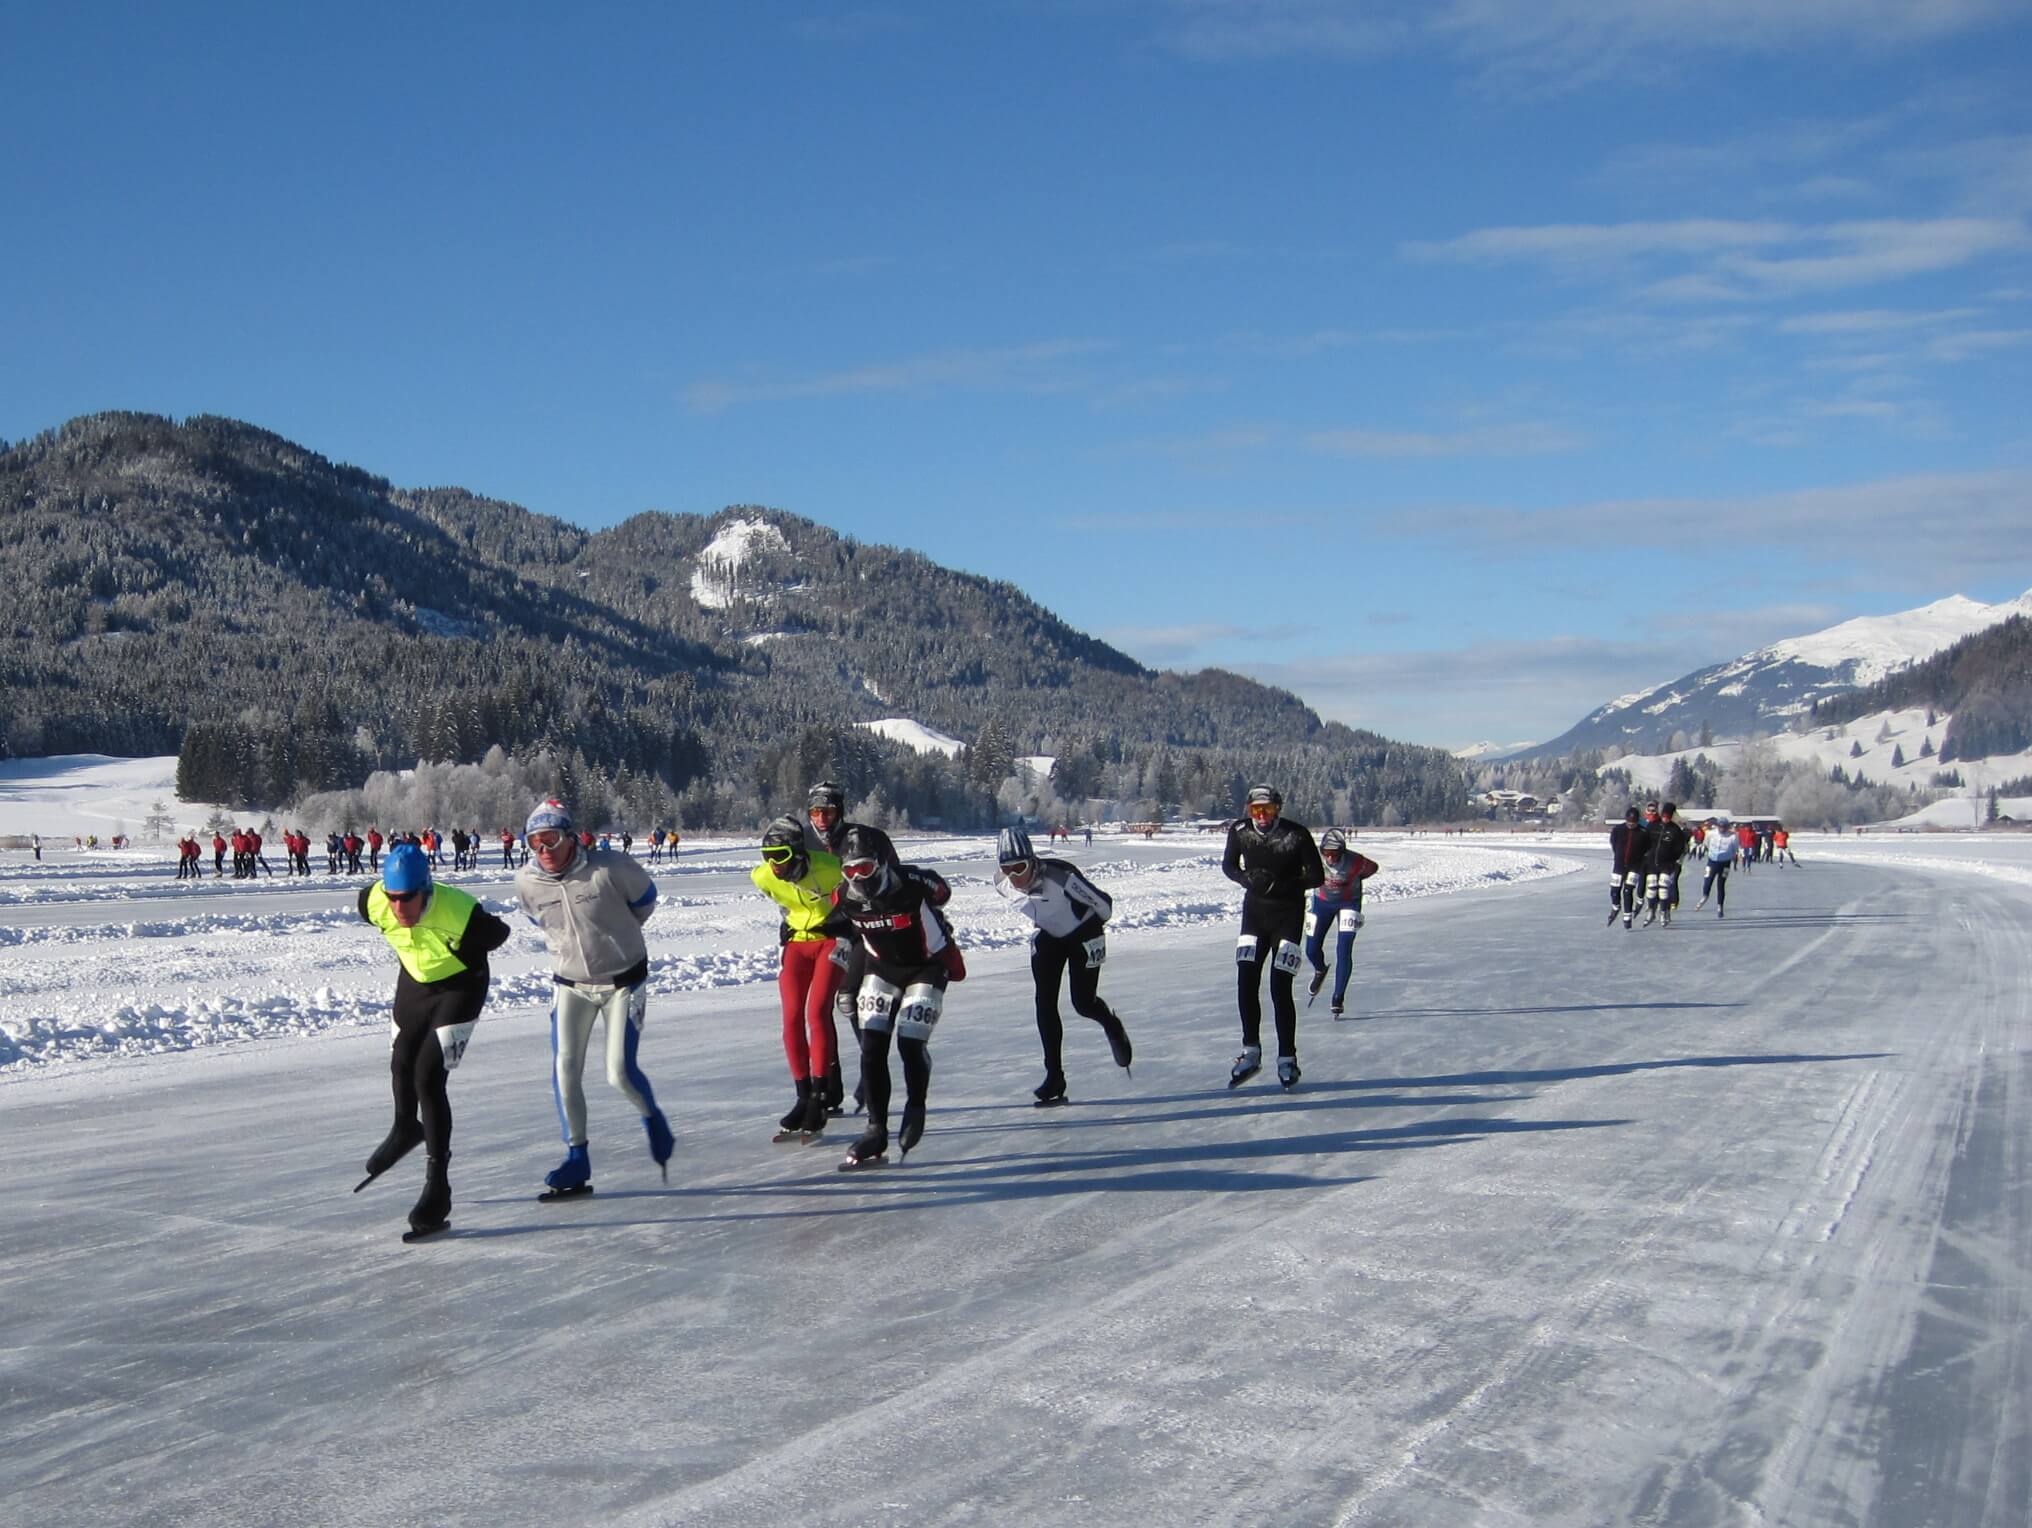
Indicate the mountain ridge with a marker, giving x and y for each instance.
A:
(1772, 687)
(209, 574)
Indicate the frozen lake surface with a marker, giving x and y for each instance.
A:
(1727, 1223)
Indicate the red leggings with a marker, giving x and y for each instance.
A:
(806, 984)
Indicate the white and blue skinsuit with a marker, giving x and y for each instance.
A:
(592, 917)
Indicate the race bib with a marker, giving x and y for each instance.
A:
(918, 1013)
(1245, 950)
(876, 1002)
(1287, 959)
(1351, 919)
(451, 1039)
(1097, 950)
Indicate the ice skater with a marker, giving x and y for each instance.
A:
(1666, 855)
(1336, 905)
(1723, 848)
(801, 881)
(1071, 914)
(591, 905)
(1276, 863)
(910, 962)
(442, 938)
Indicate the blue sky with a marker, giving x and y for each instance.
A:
(1458, 364)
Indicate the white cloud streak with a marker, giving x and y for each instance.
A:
(1038, 368)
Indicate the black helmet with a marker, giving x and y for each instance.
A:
(1264, 795)
(1333, 841)
(861, 845)
(826, 794)
(1012, 847)
(786, 833)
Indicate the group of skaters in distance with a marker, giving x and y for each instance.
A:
(864, 937)
(1648, 849)
(346, 850)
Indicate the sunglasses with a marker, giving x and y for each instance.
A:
(1262, 809)
(779, 854)
(402, 898)
(860, 869)
(548, 839)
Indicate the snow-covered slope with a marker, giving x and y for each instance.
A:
(914, 735)
(1764, 690)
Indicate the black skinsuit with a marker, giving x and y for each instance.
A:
(1277, 868)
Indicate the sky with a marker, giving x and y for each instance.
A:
(1458, 365)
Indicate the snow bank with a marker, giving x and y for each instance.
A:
(216, 962)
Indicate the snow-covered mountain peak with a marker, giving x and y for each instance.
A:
(1768, 688)
(715, 579)
(1879, 644)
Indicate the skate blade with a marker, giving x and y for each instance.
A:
(553, 1195)
(1052, 1103)
(786, 1137)
(365, 1181)
(425, 1233)
(865, 1164)
(1236, 1082)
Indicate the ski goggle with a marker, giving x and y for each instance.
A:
(860, 869)
(547, 838)
(779, 854)
(1262, 811)
(829, 813)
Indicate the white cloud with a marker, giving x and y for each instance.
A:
(1931, 529)
(1023, 368)
(1493, 440)
(1873, 321)
(1739, 260)
(1556, 39)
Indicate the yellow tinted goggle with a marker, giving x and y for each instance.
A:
(779, 854)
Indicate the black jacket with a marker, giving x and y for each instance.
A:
(1667, 846)
(1281, 865)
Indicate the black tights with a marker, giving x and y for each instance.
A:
(417, 1070)
(1051, 960)
(875, 1072)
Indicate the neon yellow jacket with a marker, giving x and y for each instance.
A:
(806, 903)
(429, 951)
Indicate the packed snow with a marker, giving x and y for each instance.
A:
(1723, 1222)
(224, 960)
(1868, 746)
(913, 735)
(716, 575)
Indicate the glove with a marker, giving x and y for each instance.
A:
(955, 964)
(783, 932)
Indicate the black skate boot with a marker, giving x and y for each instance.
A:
(406, 1135)
(791, 1126)
(1247, 1065)
(429, 1215)
(913, 1127)
(835, 1087)
(1119, 1046)
(1318, 981)
(1050, 1092)
(816, 1113)
(1287, 1072)
(871, 1150)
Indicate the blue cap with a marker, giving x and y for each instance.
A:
(406, 869)
(548, 815)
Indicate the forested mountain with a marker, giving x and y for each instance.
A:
(1778, 686)
(288, 624)
(1984, 681)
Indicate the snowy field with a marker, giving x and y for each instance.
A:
(1727, 1223)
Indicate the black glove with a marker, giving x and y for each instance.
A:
(783, 932)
